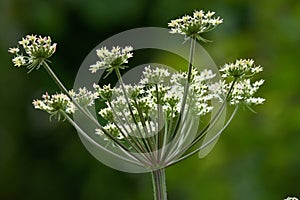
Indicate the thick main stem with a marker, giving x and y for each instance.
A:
(159, 184)
(189, 74)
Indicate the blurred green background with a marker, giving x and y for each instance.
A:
(257, 158)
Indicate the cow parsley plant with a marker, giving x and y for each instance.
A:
(161, 119)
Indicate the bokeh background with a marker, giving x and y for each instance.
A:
(257, 157)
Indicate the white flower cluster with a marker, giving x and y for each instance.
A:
(243, 91)
(155, 76)
(158, 96)
(55, 105)
(112, 129)
(237, 88)
(111, 59)
(59, 104)
(121, 118)
(194, 26)
(84, 97)
(105, 92)
(240, 69)
(37, 50)
(198, 95)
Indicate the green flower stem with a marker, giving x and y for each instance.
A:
(215, 119)
(208, 127)
(187, 84)
(143, 121)
(159, 184)
(189, 75)
(158, 139)
(136, 161)
(192, 52)
(179, 139)
(207, 143)
(129, 139)
(62, 87)
(145, 143)
(185, 93)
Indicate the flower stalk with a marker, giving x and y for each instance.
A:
(159, 184)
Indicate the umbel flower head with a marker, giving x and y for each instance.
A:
(242, 91)
(112, 59)
(34, 51)
(59, 105)
(56, 105)
(84, 97)
(194, 26)
(240, 69)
